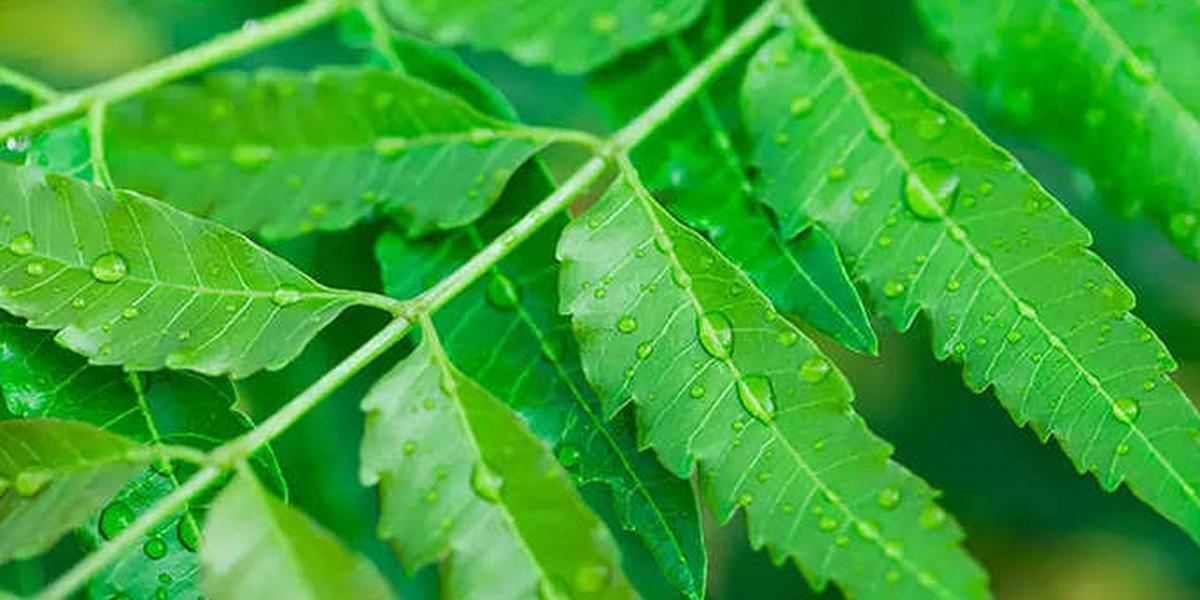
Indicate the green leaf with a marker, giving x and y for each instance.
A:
(1114, 85)
(264, 152)
(719, 378)
(569, 37)
(517, 299)
(53, 474)
(697, 161)
(255, 546)
(938, 219)
(128, 280)
(462, 477)
(41, 380)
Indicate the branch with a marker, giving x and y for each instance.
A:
(231, 453)
(277, 27)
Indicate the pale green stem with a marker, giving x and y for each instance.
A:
(277, 27)
(381, 33)
(236, 450)
(27, 85)
(95, 129)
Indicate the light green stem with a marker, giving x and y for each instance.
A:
(235, 451)
(27, 85)
(280, 26)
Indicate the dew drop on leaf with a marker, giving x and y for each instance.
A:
(893, 288)
(827, 523)
(503, 292)
(31, 483)
(1125, 409)
(568, 455)
(35, 269)
(109, 268)
(115, 518)
(715, 333)
(155, 548)
(486, 483)
(889, 497)
(696, 391)
(931, 125)
(757, 397)
(815, 369)
(932, 516)
(627, 324)
(285, 295)
(22, 244)
(644, 349)
(788, 338)
(251, 157)
(801, 106)
(930, 188)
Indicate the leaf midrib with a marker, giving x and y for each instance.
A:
(646, 202)
(830, 51)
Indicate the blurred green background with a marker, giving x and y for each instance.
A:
(1042, 530)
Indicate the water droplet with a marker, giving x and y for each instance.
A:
(115, 518)
(604, 22)
(1125, 409)
(861, 195)
(893, 288)
(889, 497)
(79, 303)
(696, 391)
(30, 483)
(715, 333)
(801, 106)
(815, 369)
(592, 578)
(252, 157)
(827, 523)
(130, 312)
(837, 173)
(568, 455)
(502, 292)
(788, 337)
(1122, 449)
(1013, 336)
(986, 187)
(285, 295)
(155, 548)
(35, 269)
(930, 188)
(757, 397)
(867, 529)
(932, 516)
(22, 244)
(931, 125)
(953, 285)
(627, 324)
(486, 483)
(188, 532)
(892, 576)
(109, 268)
(1140, 68)
(644, 349)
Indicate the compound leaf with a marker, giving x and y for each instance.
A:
(462, 477)
(1085, 73)
(128, 280)
(938, 219)
(697, 161)
(258, 547)
(53, 475)
(719, 378)
(41, 380)
(570, 37)
(284, 153)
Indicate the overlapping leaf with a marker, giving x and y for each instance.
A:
(938, 219)
(719, 378)
(41, 380)
(128, 280)
(651, 513)
(258, 547)
(1114, 83)
(696, 162)
(285, 153)
(571, 37)
(53, 475)
(461, 477)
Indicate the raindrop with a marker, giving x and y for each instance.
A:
(115, 518)
(1122, 449)
(627, 324)
(716, 334)
(35, 269)
(837, 173)
(815, 369)
(931, 126)
(1141, 69)
(889, 497)
(801, 106)
(486, 483)
(22, 244)
(788, 337)
(79, 303)
(930, 188)
(932, 517)
(867, 529)
(953, 285)
(893, 288)
(827, 523)
(861, 195)
(1125, 409)
(502, 292)
(757, 397)
(409, 448)
(644, 349)
(109, 268)
(252, 157)
(155, 548)
(31, 483)
(130, 312)
(568, 455)
(696, 391)
(285, 295)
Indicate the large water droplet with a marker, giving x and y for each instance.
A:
(115, 518)
(757, 397)
(889, 497)
(815, 369)
(930, 188)
(285, 295)
(486, 483)
(627, 324)
(31, 483)
(716, 333)
(502, 292)
(644, 349)
(1126, 409)
(568, 455)
(22, 244)
(35, 269)
(109, 268)
(155, 548)
(252, 157)
(893, 288)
